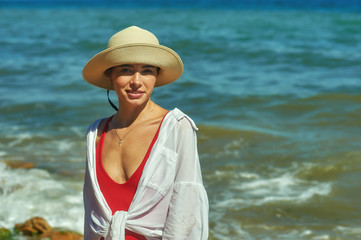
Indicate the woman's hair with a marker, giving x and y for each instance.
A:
(108, 72)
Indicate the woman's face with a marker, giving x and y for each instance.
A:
(134, 83)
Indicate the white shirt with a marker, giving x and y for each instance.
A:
(170, 201)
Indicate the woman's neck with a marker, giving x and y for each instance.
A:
(127, 115)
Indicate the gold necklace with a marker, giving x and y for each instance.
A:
(121, 139)
(126, 134)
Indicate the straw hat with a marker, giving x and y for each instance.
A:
(134, 45)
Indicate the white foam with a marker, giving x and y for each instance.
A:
(78, 131)
(2, 154)
(29, 193)
(305, 233)
(64, 145)
(353, 231)
(285, 188)
(259, 191)
(19, 139)
(225, 229)
(302, 234)
(322, 237)
(249, 175)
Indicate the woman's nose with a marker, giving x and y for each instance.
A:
(136, 79)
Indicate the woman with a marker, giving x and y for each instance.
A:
(143, 178)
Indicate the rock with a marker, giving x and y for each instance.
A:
(5, 234)
(63, 235)
(17, 164)
(35, 226)
(38, 228)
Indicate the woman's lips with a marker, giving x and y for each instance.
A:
(135, 94)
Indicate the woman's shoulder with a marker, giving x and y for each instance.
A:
(97, 124)
(183, 120)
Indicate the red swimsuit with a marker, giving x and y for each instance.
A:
(119, 196)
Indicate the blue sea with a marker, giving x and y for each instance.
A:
(274, 88)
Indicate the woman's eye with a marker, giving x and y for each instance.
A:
(149, 71)
(126, 71)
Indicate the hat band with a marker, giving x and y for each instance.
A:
(111, 103)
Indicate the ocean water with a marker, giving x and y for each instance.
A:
(276, 95)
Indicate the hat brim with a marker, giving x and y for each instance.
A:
(170, 64)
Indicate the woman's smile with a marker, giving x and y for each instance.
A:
(135, 94)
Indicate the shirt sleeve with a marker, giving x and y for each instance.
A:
(188, 210)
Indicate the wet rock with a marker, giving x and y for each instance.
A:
(34, 226)
(63, 235)
(38, 228)
(17, 164)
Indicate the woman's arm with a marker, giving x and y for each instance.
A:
(188, 211)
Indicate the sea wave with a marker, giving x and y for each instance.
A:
(35, 192)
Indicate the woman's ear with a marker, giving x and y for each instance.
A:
(108, 72)
(110, 80)
(108, 75)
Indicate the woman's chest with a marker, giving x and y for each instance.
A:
(121, 158)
